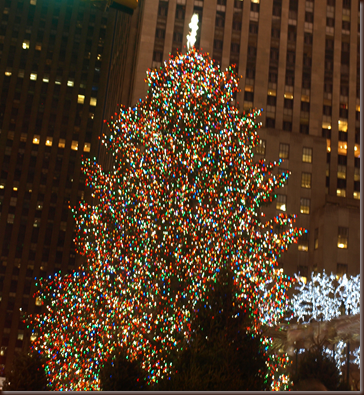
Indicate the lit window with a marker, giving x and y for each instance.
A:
(91, 115)
(2, 186)
(33, 76)
(272, 92)
(288, 95)
(36, 222)
(328, 145)
(46, 78)
(342, 148)
(38, 47)
(62, 143)
(356, 174)
(74, 145)
(306, 180)
(33, 2)
(357, 151)
(87, 147)
(342, 237)
(356, 195)
(36, 139)
(341, 192)
(305, 206)
(98, 57)
(38, 301)
(49, 141)
(307, 155)
(8, 73)
(80, 99)
(283, 151)
(341, 172)
(260, 148)
(70, 83)
(93, 101)
(303, 242)
(302, 273)
(20, 336)
(39, 206)
(26, 44)
(281, 203)
(326, 125)
(58, 81)
(342, 125)
(315, 242)
(15, 189)
(33, 336)
(341, 269)
(11, 218)
(23, 137)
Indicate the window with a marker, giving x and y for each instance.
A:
(305, 206)
(74, 145)
(307, 155)
(80, 99)
(260, 148)
(342, 237)
(315, 239)
(281, 203)
(306, 180)
(341, 172)
(302, 272)
(49, 141)
(87, 147)
(341, 269)
(93, 101)
(62, 143)
(283, 151)
(303, 242)
(287, 126)
(36, 139)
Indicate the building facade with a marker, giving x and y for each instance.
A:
(299, 60)
(55, 62)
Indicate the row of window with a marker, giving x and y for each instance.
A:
(283, 153)
(281, 204)
(342, 239)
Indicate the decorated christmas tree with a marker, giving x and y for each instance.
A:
(181, 201)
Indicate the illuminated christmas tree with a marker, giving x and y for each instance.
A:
(181, 202)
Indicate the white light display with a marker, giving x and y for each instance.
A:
(324, 298)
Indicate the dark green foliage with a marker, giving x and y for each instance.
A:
(316, 364)
(221, 355)
(119, 373)
(26, 373)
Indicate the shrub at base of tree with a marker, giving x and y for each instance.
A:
(315, 364)
(119, 373)
(222, 355)
(26, 373)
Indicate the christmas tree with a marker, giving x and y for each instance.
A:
(181, 202)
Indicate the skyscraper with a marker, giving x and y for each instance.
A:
(299, 61)
(54, 75)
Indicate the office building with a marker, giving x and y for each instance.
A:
(54, 74)
(299, 61)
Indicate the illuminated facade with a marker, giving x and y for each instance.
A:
(300, 62)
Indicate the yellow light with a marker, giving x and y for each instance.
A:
(15, 188)
(8, 73)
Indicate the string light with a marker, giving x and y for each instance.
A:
(182, 200)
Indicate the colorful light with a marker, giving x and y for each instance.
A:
(182, 200)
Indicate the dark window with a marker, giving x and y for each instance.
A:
(270, 122)
(287, 126)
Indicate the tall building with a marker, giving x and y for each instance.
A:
(55, 62)
(299, 61)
